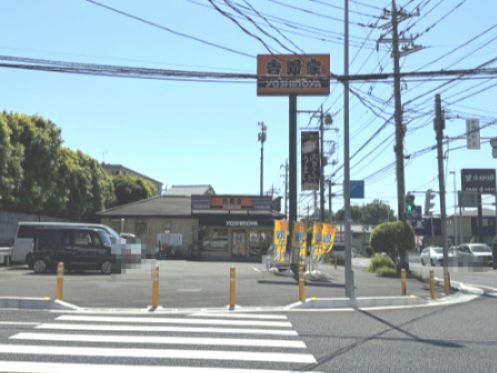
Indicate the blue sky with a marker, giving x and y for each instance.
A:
(206, 133)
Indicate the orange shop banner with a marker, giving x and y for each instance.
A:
(327, 238)
(299, 239)
(316, 240)
(300, 74)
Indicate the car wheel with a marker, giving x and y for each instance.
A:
(106, 267)
(39, 266)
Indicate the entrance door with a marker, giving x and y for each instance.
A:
(239, 244)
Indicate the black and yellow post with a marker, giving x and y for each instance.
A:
(446, 281)
(433, 290)
(232, 288)
(59, 288)
(403, 282)
(155, 287)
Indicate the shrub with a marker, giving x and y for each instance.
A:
(386, 272)
(330, 259)
(381, 261)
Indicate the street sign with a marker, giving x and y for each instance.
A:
(473, 133)
(480, 180)
(300, 74)
(467, 199)
(357, 189)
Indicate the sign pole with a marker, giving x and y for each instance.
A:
(292, 216)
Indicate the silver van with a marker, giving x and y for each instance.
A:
(22, 249)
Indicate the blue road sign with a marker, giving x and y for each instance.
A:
(357, 189)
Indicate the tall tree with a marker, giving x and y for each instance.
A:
(132, 188)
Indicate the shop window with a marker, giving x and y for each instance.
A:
(217, 240)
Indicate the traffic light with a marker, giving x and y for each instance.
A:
(410, 203)
(428, 203)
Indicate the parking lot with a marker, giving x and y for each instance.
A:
(193, 284)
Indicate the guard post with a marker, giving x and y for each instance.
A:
(59, 288)
(301, 283)
(403, 282)
(232, 288)
(433, 291)
(155, 287)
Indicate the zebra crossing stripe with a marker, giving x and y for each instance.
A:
(236, 342)
(254, 316)
(280, 357)
(171, 320)
(42, 367)
(159, 328)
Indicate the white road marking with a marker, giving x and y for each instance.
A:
(280, 357)
(240, 315)
(171, 320)
(154, 328)
(40, 367)
(160, 340)
(256, 269)
(19, 323)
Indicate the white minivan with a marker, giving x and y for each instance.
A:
(22, 248)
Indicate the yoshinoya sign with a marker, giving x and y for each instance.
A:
(480, 180)
(301, 74)
(242, 223)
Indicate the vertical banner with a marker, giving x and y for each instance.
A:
(327, 238)
(311, 165)
(316, 240)
(280, 239)
(299, 239)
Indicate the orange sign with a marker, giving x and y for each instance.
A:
(301, 74)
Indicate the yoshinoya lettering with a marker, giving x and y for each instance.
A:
(241, 223)
(296, 83)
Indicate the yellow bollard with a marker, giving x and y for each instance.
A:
(403, 282)
(232, 288)
(301, 283)
(433, 290)
(446, 281)
(59, 288)
(155, 287)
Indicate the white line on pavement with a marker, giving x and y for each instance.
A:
(19, 323)
(157, 328)
(159, 340)
(280, 357)
(171, 320)
(239, 315)
(256, 269)
(39, 367)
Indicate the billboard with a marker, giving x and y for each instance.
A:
(479, 180)
(310, 158)
(472, 134)
(300, 74)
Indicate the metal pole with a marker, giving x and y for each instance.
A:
(262, 169)
(286, 189)
(439, 127)
(455, 208)
(349, 274)
(321, 165)
(292, 115)
(330, 211)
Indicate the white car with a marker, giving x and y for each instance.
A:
(474, 254)
(433, 255)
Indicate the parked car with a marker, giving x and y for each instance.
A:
(78, 247)
(471, 254)
(22, 247)
(433, 255)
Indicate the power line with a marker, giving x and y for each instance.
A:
(156, 25)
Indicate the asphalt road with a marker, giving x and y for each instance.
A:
(458, 338)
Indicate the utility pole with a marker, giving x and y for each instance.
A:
(262, 139)
(349, 273)
(285, 175)
(396, 17)
(330, 211)
(321, 165)
(439, 127)
(315, 197)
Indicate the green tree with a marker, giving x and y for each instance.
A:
(376, 212)
(394, 239)
(132, 188)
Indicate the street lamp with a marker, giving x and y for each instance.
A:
(262, 139)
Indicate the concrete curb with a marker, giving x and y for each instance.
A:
(35, 304)
(360, 302)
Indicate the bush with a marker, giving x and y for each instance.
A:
(329, 258)
(381, 261)
(386, 272)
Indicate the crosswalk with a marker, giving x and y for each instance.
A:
(202, 342)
